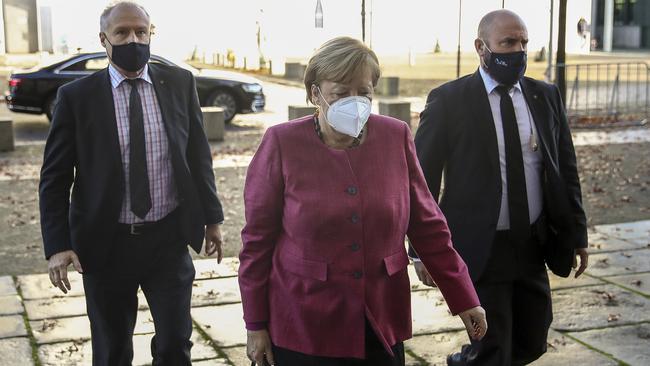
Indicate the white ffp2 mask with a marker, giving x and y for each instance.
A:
(348, 115)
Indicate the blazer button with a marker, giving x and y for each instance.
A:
(357, 275)
(352, 191)
(355, 247)
(355, 218)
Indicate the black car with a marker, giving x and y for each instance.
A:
(35, 92)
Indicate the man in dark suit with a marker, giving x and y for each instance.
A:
(129, 140)
(511, 189)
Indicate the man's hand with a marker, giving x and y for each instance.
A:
(258, 345)
(58, 269)
(213, 241)
(475, 322)
(423, 274)
(584, 260)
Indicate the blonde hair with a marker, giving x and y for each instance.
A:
(340, 60)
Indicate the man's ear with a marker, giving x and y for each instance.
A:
(479, 46)
(102, 39)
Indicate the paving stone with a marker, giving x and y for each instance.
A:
(562, 350)
(643, 242)
(78, 328)
(216, 292)
(595, 307)
(16, 352)
(638, 282)
(601, 242)
(433, 349)
(7, 286)
(237, 355)
(72, 353)
(38, 286)
(631, 345)
(80, 352)
(10, 305)
(209, 268)
(59, 307)
(431, 314)
(617, 263)
(224, 324)
(12, 326)
(559, 283)
(628, 230)
(55, 307)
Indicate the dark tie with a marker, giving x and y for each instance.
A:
(138, 177)
(516, 178)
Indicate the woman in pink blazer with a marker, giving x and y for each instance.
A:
(329, 200)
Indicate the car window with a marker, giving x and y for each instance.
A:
(76, 67)
(88, 65)
(97, 64)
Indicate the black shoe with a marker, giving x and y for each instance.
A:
(459, 358)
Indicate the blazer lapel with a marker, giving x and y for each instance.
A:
(106, 108)
(478, 101)
(540, 114)
(165, 101)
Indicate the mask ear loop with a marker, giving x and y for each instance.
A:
(487, 67)
(322, 96)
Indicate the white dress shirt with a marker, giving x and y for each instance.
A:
(532, 159)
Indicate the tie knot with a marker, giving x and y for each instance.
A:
(132, 82)
(503, 90)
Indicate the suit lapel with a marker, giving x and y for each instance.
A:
(108, 126)
(540, 114)
(478, 101)
(165, 101)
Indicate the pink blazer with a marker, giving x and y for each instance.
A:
(323, 246)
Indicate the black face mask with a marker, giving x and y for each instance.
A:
(131, 56)
(506, 68)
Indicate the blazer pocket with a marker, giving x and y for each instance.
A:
(305, 267)
(396, 262)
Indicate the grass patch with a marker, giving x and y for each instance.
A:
(212, 344)
(608, 355)
(30, 334)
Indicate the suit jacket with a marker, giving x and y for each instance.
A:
(323, 246)
(83, 148)
(457, 135)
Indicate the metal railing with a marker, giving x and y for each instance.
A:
(608, 93)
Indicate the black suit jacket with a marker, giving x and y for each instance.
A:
(83, 151)
(457, 135)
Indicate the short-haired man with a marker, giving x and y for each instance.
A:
(511, 189)
(130, 138)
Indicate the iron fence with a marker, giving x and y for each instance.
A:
(608, 93)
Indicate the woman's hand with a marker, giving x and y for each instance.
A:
(475, 322)
(258, 345)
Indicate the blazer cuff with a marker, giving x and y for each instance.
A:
(256, 325)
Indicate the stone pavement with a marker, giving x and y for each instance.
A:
(603, 318)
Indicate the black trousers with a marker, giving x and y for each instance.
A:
(156, 261)
(515, 293)
(376, 355)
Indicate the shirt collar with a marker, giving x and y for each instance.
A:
(117, 78)
(490, 83)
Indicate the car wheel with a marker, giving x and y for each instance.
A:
(225, 100)
(49, 107)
